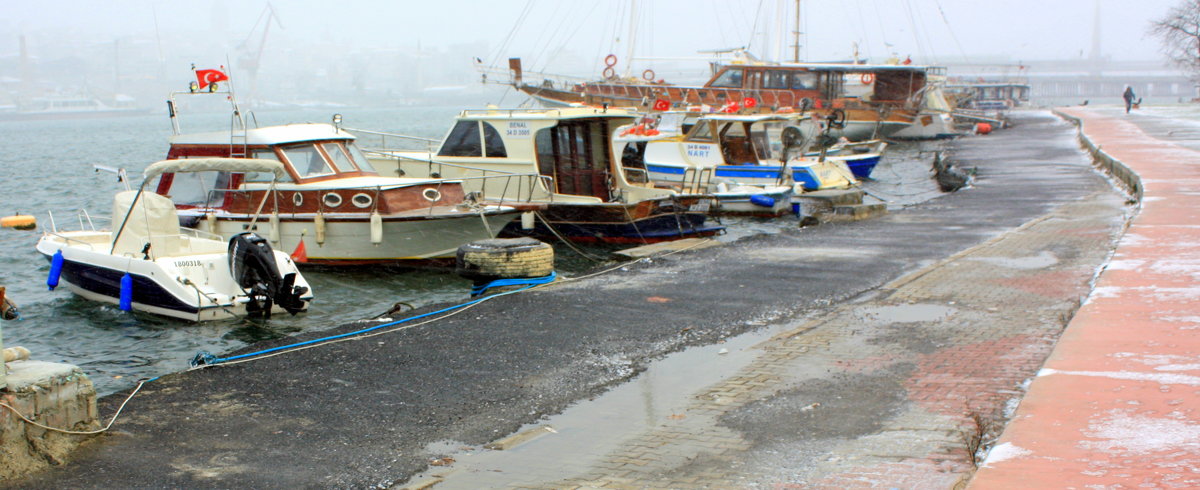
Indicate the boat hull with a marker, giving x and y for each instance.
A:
(643, 222)
(347, 239)
(93, 274)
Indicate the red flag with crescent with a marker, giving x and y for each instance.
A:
(206, 77)
(749, 102)
(662, 105)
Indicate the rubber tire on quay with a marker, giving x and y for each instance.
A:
(504, 258)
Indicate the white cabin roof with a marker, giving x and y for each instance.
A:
(548, 114)
(269, 135)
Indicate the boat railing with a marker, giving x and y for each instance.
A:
(499, 185)
(414, 142)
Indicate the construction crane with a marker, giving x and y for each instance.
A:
(251, 55)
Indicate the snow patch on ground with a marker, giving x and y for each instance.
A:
(1003, 452)
(1124, 432)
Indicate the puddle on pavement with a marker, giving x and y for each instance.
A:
(589, 430)
(1040, 261)
(905, 313)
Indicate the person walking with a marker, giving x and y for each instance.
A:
(1128, 95)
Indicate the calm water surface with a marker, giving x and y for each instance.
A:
(49, 170)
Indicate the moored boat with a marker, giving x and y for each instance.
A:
(148, 263)
(332, 207)
(585, 191)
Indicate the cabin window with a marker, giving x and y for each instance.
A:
(307, 161)
(804, 81)
(359, 158)
(463, 141)
(732, 78)
(777, 79)
(633, 162)
(341, 161)
(261, 176)
(702, 132)
(492, 143)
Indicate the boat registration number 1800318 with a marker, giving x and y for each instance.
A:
(189, 263)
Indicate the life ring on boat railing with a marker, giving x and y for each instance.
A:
(432, 195)
(867, 78)
(332, 200)
(609, 72)
(610, 60)
(297, 199)
(361, 200)
(648, 75)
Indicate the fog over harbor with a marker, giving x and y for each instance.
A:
(389, 53)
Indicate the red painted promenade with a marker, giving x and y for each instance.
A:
(1117, 404)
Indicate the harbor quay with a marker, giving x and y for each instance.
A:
(888, 352)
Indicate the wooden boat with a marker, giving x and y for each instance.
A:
(581, 183)
(877, 100)
(148, 263)
(332, 207)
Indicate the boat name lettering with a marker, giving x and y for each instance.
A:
(699, 150)
(188, 263)
(517, 129)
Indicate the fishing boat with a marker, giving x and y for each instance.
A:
(861, 157)
(747, 155)
(935, 119)
(331, 207)
(586, 192)
(876, 100)
(148, 263)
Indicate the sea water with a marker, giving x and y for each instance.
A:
(49, 170)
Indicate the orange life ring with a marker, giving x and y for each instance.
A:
(867, 78)
(609, 72)
(648, 75)
(610, 60)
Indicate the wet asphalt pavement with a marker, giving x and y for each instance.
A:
(362, 413)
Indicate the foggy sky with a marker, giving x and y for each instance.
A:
(1018, 29)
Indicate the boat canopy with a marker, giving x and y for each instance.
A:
(244, 165)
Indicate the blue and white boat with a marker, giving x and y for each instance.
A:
(148, 263)
(718, 153)
(861, 157)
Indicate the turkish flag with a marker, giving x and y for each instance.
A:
(749, 102)
(301, 254)
(662, 105)
(206, 77)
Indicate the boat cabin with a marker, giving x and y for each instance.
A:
(571, 151)
(326, 172)
(788, 84)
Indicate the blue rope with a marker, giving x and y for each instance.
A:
(205, 358)
(479, 290)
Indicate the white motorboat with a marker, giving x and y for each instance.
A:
(148, 263)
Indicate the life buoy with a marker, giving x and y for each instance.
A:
(648, 75)
(867, 78)
(610, 60)
(609, 72)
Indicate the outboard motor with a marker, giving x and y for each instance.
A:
(252, 263)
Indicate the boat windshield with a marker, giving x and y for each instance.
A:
(201, 189)
(359, 158)
(307, 160)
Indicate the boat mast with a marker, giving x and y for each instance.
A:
(630, 38)
(796, 36)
